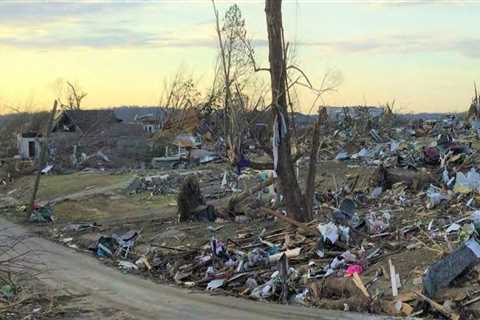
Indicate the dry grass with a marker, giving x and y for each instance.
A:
(104, 208)
(61, 185)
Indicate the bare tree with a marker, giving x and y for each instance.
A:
(235, 69)
(69, 94)
(299, 206)
(181, 98)
(180, 92)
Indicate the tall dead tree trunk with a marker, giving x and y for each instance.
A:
(294, 200)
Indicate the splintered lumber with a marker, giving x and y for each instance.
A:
(290, 220)
(414, 179)
(471, 301)
(435, 305)
(359, 283)
(293, 253)
(244, 195)
(393, 278)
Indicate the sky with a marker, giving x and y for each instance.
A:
(425, 55)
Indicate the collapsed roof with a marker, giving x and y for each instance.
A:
(84, 121)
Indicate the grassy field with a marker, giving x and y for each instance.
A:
(61, 185)
(104, 208)
(113, 204)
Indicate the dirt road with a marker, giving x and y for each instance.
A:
(138, 298)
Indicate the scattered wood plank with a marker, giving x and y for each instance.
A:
(359, 283)
(393, 278)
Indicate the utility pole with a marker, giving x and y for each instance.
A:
(43, 160)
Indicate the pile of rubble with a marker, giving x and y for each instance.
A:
(405, 244)
(155, 185)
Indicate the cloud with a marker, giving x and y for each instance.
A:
(409, 3)
(88, 24)
(100, 39)
(203, 36)
(105, 37)
(469, 47)
(44, 26)
(27, 12)
(405, 43)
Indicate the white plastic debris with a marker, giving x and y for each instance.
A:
(329, 231)
(454, 227)
(224, 181)
(300, 298)
(342, 156)
(251, 283)
(142, 262)
(377, 192)
(475, 216)
(476, 126)
(320, 253)
(47, 169)
(430, 225)
(470, 203)
(435, 196)
(386, 216)
(445, 177)
(344, 233)
(364, 153)
(127, 265)
(394, 145)
(263, 291)
(467, 183)
(215, 284)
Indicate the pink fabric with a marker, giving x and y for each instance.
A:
(353, 268)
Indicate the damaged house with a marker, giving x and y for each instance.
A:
(186, 136)
(84, 122)
(29, 145)
(149, 122)
(97, 138)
